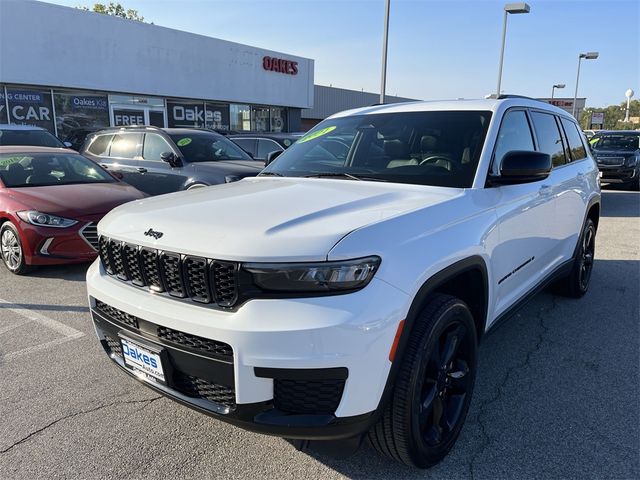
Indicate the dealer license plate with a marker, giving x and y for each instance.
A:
(142, 359)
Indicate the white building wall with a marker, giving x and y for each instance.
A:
(58, 46)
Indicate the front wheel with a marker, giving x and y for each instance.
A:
(11, 250)
(433, 389)
(576, 283)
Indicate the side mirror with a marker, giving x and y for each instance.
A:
(271, 156)
(522, 167)
(170, 158)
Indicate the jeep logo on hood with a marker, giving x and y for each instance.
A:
(152, 233)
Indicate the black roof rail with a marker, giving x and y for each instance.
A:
(503, 96)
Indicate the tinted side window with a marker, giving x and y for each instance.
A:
(100, 145)
(515, 134)
(267, 146)
(126, 145)
(578, 152)
(154, 145)
(549, 139)
(247, 144)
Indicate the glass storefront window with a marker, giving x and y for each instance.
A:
(185, 114)
(260, 119)
(279, 119)
(78, 111)
(30, 107)
(240, 117)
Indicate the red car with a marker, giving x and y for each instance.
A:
(51, 200)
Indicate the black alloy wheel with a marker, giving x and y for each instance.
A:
(433, 388)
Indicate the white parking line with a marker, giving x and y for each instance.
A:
(68, 333)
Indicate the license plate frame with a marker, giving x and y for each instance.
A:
(144, 359)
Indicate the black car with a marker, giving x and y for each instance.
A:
(162, 160)
(259, 145)
(617, 153)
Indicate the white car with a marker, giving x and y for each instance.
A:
(343, 292)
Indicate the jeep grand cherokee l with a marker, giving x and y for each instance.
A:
(341, 295)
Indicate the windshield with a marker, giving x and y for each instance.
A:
(207, 147)
(427, 148)
(34, 138)
(44, 169)
(616, 141)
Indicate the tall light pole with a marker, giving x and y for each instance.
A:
(629, 93)
(557, 85)
(586, 56)
(385, 42)
(514, 8)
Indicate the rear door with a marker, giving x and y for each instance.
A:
(525, 213)
(156, 176)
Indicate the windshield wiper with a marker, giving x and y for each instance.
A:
(270, 174)
(345, 175)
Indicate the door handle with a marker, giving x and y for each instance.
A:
(580, 175)
(545, 189)
(104, 165)
(142, 170)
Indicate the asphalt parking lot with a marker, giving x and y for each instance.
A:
(557, 393)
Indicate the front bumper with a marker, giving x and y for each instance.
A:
(330, 354)
(619, 174)
(54, 246)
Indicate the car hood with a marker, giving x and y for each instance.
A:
(266, 219)
(76, 201)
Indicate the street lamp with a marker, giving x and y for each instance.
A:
(514, 8)
(586, 56)
(385, 42)
(629, 93)
(557, 85)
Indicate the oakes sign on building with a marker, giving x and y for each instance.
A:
(280, 65)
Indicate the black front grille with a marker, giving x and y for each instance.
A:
(307, 396)
(117, 315)
(197, 343)
(90, 234)
(114, 346)
(199, 279)
(200, 388)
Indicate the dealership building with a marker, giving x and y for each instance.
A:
(64, 69)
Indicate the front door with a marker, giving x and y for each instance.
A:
(525, 214)
(157, 176)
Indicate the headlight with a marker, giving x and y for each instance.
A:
(314, 277)
(45, 220)
(632, 161)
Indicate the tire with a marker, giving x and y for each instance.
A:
(635, 185)
(11, 250)
(196, 185)
(576, 283)
(429, 403)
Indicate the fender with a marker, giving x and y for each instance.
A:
(431, 285)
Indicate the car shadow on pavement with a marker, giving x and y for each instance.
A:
(615, 203)
(44, 307)
(553, 385)
(73, 273)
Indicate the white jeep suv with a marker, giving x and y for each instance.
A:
(343, 292)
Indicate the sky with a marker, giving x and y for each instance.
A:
(437, 49)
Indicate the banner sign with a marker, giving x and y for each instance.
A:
(3, 106)
(198, 114)
(122, 117)
(80, 111)
(31, 107)
(217, 116)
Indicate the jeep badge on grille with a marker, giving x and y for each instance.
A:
(152, 233)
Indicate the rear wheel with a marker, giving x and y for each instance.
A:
(431, 397)
(11, 249)
(576, 283)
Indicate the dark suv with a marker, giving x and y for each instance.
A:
(617, 153)
(163, 160)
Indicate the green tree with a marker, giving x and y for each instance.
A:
(115, 9)
(613, 116)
